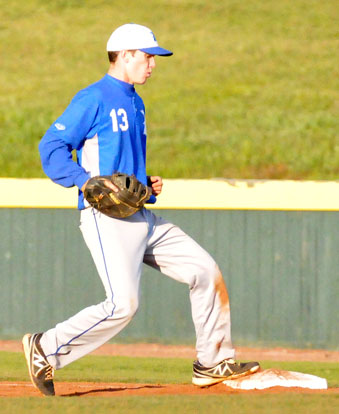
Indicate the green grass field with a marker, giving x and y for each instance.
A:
(228, 404)
(251, 91)
(165, 371)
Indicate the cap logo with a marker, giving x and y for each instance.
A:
(153, 36)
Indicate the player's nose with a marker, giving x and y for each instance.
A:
(152, 62)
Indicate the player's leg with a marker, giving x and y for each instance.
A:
(177, 255)
(117, 247)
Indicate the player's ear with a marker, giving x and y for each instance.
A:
(125, 55)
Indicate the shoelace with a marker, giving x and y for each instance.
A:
(49, 373)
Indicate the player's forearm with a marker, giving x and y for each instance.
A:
(57, 163)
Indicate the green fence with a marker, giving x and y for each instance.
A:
(281, 269)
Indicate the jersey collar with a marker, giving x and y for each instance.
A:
(127, 87)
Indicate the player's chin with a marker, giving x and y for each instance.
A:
(143, 80)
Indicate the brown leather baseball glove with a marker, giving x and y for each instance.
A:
(130, 197)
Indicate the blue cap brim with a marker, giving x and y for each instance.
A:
(157, 51)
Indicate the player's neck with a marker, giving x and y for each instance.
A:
(118, 73)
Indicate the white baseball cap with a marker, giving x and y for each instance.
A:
(133, 36)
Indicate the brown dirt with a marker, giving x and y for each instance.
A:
(66, 389)
(88, 389)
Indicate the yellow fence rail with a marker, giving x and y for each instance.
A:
(223, 194)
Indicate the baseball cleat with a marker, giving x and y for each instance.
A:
(40, 371)
(226, 369)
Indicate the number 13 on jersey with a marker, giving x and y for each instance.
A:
(119, 120)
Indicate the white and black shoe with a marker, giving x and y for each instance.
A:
(226, 369)
(40, 371)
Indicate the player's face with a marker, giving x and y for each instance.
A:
(139, 67)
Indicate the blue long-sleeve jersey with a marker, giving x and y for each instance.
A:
(105, 124)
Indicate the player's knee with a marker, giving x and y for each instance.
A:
(123, 308)
(131, 307)
(206, 275)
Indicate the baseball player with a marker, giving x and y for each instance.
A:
(105, 123)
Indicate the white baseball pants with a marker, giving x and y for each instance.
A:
(119, 247)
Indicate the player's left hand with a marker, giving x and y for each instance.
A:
(156, 183)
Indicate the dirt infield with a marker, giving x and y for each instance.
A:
(87, 389)
(82, 389)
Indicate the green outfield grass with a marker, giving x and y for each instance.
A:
(146, 370)
(169, 371)
(251, 91)
(229, 404)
